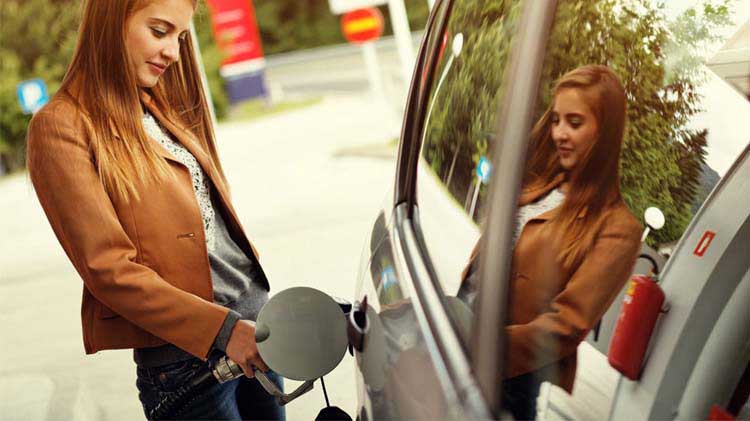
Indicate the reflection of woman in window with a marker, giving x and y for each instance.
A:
(125, 166)
(575, 242)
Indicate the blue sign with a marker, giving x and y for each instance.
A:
(32, 95)
(484, 170)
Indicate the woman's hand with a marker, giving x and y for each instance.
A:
(243, 350)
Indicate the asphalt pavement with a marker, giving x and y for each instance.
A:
(306, 189)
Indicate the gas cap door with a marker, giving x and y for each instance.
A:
(301, 333)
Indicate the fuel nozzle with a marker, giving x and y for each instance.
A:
(226, 370)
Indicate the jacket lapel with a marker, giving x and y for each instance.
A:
(183, 136)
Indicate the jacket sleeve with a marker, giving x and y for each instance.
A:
(86, 224)
(556, 333)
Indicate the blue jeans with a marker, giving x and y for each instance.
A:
(519, 395)
(239, 399)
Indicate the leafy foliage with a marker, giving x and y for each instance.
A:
(287, 25)
(37, 39)
(658, 61)
(468, 91)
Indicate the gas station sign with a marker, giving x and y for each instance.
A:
(236, 30)
(339, 7)
(237, 35)
(362, 25)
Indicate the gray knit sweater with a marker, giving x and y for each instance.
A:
(233, 274)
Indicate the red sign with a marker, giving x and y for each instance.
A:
(703, 244)
(236, 30)
(362, 25)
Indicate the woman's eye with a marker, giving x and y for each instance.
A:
(158, 33)
(575, 123)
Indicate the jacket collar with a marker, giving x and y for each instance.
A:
(179, 133)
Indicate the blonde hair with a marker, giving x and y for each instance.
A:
(102, 84)
(595, 182)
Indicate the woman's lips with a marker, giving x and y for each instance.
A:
(564, 151)
(155, 68)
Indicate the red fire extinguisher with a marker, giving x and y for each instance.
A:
(640, 309)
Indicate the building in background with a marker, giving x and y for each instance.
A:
(732, 62)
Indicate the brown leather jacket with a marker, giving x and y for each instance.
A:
(552, 309)
(144, 264)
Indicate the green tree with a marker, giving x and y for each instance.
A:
(659, 64)
(288, 25)
(37, 39)
(463, 110)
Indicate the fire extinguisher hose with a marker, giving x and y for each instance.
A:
(654, 265)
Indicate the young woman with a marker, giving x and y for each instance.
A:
(124, 163)
(575, 241)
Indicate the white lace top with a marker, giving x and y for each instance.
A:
(200, 180)
(552, 200)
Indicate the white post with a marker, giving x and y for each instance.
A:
(476, 196)
(373, 69)
(377, 87)
(402, 34)
(430, 3)
(204, 79)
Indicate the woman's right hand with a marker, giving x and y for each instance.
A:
(243, 350)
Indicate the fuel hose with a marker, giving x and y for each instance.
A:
(173, 404)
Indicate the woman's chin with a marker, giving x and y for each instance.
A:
(567, 164)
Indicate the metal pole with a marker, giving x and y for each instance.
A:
(204, 79)
(373, 69)
(474, 200)
(402, 34)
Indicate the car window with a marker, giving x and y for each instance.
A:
(682, 130)
(588, 179)
(454, 165)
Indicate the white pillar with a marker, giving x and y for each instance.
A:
(373, 69)
(204, 79)
(402, 34)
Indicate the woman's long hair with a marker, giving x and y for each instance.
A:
(103, 85)
(595, 180)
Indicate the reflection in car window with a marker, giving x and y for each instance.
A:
(578, 226)
(658, 57)
(454, 168)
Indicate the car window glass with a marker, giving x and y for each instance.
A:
(682, 130)
(454, 166)
(588, 179)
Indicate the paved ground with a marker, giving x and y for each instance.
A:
(306, 196)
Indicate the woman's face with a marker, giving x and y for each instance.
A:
(574, 127)
(153, 36)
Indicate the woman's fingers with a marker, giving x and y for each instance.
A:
(258, 363)
(248, 370)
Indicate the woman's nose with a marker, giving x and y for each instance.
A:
(172, 51)
(559, 133)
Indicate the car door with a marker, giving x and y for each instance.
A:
(422, 348)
